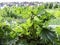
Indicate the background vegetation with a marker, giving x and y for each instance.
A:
(30, 25)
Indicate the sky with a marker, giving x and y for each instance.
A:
(29, 1)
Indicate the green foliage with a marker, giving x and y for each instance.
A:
(28, 24)
(57, 30)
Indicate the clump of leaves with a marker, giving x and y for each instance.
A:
(33, 29)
